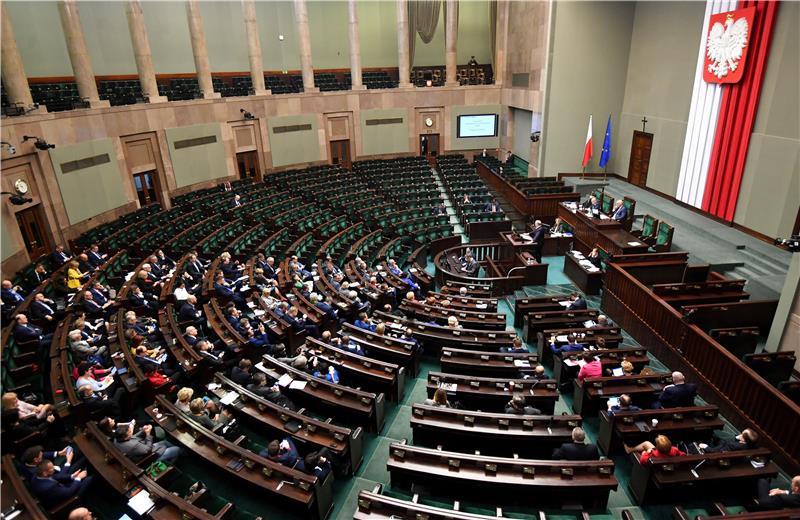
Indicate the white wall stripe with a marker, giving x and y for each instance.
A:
(702, 122)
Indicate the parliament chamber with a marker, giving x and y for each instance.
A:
(361, 259)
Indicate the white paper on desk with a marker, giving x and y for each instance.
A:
(129, 275)
(585, 263)
(635, 244)
(259, 312)
(522, 363)
(285, 380)
(480, 306)
(316, 278)
(592, 269)
(141, 502)
(244, 288)
(449, 387)
(555, 235)
(297, 385)
(565, 303)
(252, 305)
(570, 362)
(589, 323)
(229, 398)
(412, 270)
(525, 236)
(212, 386)
(354, 284)
(563, 337)
(604, 217)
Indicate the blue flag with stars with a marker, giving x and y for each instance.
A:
(606, 154)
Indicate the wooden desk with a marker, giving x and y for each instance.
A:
(588, 282)
(642, 390)
(568, 367)
(552, 246)
(533, 323)
(500, 434)
(508, 481)
(523, 306)
(621, 242)
(493, 394)
(586, 229)
(489, 364)
(695, 423)
(611, 336)
(666, 479)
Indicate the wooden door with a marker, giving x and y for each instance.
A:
(640, 158)
(32, 226)
(340, 153)
(247, 163)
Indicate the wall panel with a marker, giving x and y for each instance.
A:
(192, 161)
(296, 146)
(378, 139)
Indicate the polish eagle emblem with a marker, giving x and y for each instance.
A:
(726, 46)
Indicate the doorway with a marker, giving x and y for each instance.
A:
(340, 153)
(146, 189)
(248, 165)
(31, 225)
(641, 147)
(429, 147)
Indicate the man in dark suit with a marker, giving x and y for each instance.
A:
(96, 258)
(189, 311)
(491, 207)
(578, 302)
(237, 201)
(194, 268)
(538, 240)
(43, 309)
(139, 299)
(679, 393)
(620, 213)
(60, 256)
(52, 489)
(747, 440)
(470, 265)
(577, 449)
(11, 294)
(270, 270)
(94, 308)
(592, 204)
(38, 276)
(25, 332)
(777, 498)
(299, 323)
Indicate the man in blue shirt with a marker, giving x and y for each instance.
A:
(51, 488)
(570, 346)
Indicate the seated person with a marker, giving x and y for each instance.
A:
(11, 294)
(517, 347)
(517, 406)
(60, 256)
(52, 488)
(620, 213)
(662, 448)
(184, 398)
(470, 265)
(747, 440)
(592, 203)
(319, 302)
(271, 393)
(578, 449)
(299, 323)
(679, 393)
(200, 413)
(327, 372)
(189, 313)
(164, 261)
(284, 452)
(776, 498)
(84, 351)
(75, 278)
(140, 299)
(213, 356)
(364, 322)
(26, 411)
(108, 404)
(181, 292)
(25, 332)
(577, 302)
(44, 310)
(625, 405)
(559, 227)
(242, 374)
(439, 399)
(602, 321)
(492, 207)
(452, 323)
(571, 346)
(594, 258)
(592, 368)
(318, 463)
(138, 445)
(17, 433)
(35, 455)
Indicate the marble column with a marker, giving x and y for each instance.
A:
(450, 43)
(403, 59)
(79, 54)
(14, 78)
(141, 52)
(304, 35)
(355, 46)
(199, 49)
(254, 48)
(501, 41)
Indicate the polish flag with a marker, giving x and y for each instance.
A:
(587, 149)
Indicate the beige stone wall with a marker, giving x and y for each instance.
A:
(123, 123)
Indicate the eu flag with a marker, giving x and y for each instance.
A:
(606, 154)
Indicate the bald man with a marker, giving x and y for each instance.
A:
(777, 498)
(80, 513)
(679, 393)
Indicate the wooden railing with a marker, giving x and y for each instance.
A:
(744, 398)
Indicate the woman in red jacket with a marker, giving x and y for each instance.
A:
(662, 448)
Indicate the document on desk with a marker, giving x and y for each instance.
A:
(259, 312)
(298, 385)
(524, 363)
(525, 236)
(565, 303)
(571, 362)
(634, 244)
(604, 217)
(285, 380)
(141, 502)
(449, 387)
(561, 338)
(251, 304)
(229, 398)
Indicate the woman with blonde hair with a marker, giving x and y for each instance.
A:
(452, 322)
(184, 399)
(74, 275)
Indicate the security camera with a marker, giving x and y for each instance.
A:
(16, 199)
(11, 149)
(40, 143)
(247, 115)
